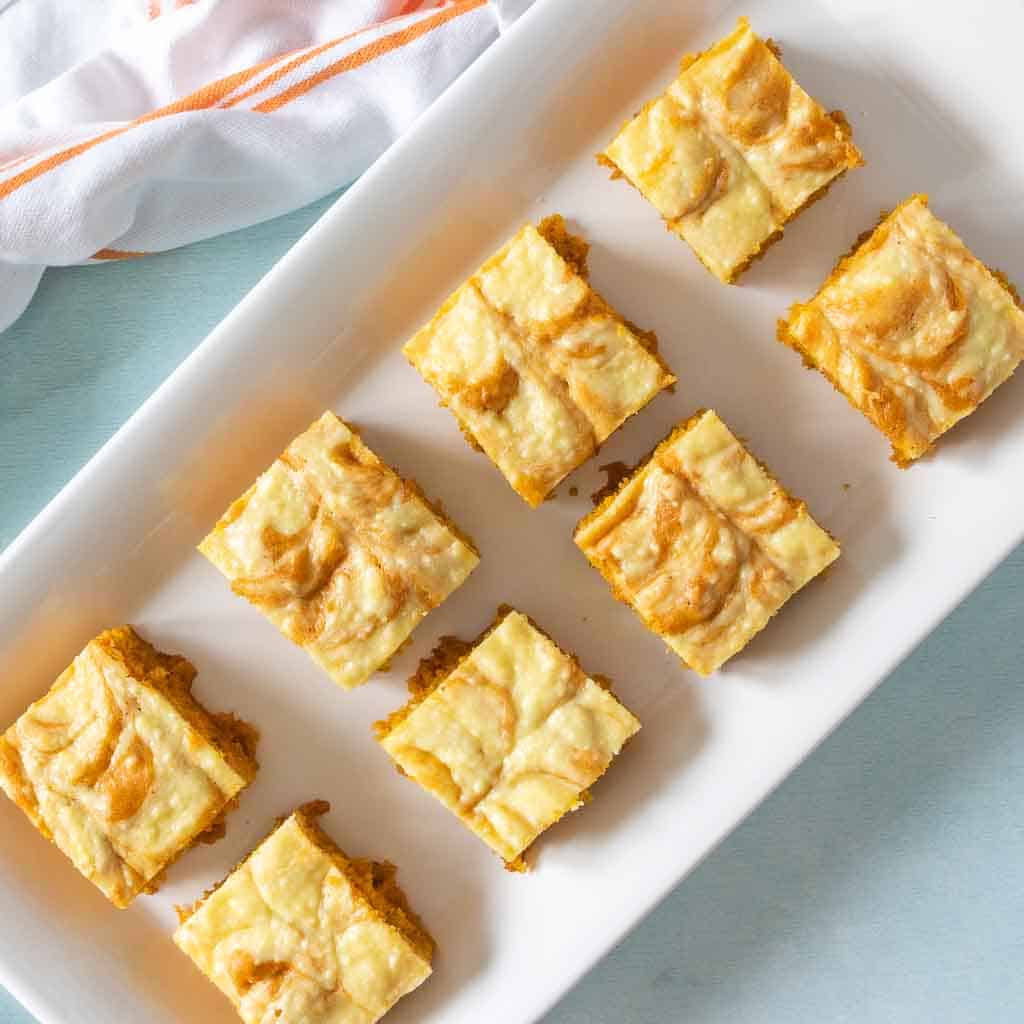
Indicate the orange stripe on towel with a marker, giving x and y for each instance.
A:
(276, 76)
(307, 55)
(116, 254)
(211, 94)
(370, 52)
(207, 96)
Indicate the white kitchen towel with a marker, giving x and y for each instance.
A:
(134, 126)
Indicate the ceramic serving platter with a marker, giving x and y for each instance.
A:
(932, 96)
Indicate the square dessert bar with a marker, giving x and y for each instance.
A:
(731, 151)
(507, 733)
(703, 543)
(339, 552)
(537, 368)
(120, 767)
(298, 932)
(911, 328)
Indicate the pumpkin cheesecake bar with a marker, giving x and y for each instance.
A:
(537, 368)
(299, 932)
(731, 151)
(507, 733)
(121, 767)
(911, 328)
(339, 552)
(703, 543)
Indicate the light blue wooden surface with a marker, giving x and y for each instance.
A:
(883, 882)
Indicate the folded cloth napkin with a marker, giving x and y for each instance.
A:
(133, 126)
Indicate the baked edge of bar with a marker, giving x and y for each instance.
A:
(171, 676)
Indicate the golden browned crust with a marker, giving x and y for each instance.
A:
(574, 249)
(571, 248)
(689, 59)
(610, 165)
(1010, 287)
(172, 675)
(21, 791)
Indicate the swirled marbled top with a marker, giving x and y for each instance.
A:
(535, 366)
(732, 150)
(911, 328)
(114, 764)
(512, 737)
(338, 551)
(704, 544)
(292, 936)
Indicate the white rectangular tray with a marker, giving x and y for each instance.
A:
(933, 100)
